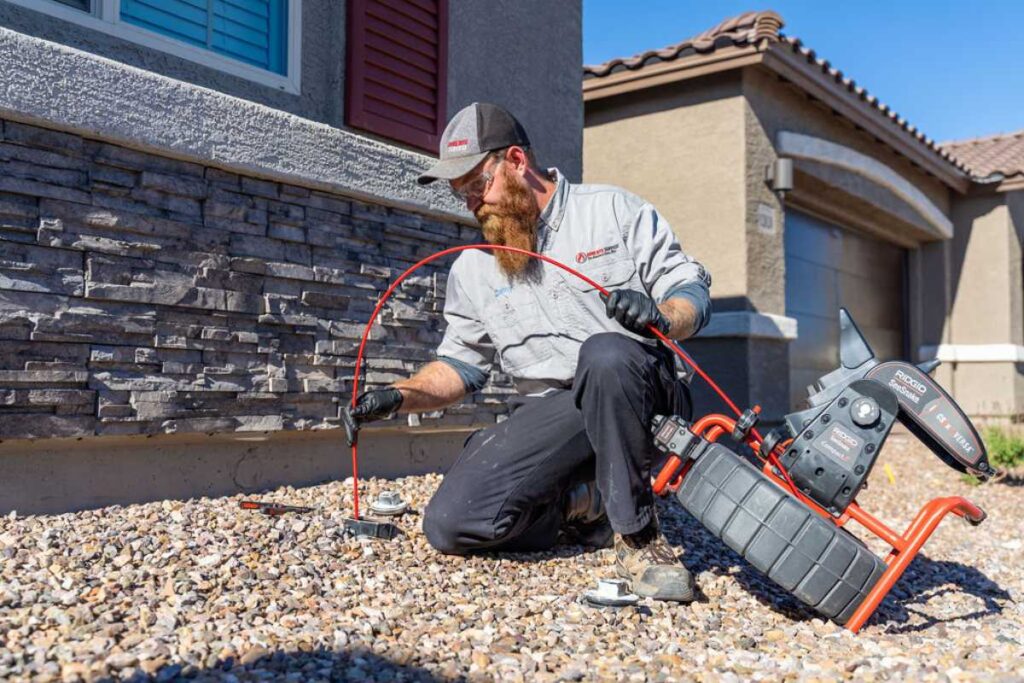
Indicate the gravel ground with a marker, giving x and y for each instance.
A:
(203, 589)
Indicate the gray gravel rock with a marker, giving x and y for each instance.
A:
(201, 589)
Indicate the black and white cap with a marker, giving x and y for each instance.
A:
(475, 131)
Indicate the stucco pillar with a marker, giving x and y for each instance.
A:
(982, 345)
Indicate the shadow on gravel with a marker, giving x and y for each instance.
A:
(924, 580)
(319, 664)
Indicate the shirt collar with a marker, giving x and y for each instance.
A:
(552, 214)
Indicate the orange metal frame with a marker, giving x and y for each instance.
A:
(904, 547)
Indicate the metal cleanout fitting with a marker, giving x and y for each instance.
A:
(370, 528)
(389, 504)
(611, 593)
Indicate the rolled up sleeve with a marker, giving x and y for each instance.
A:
(666, 271)
(466, 346)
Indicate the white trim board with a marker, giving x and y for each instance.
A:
(106, 18)
(117, 103)
(800, 146)
(973, 353)
(749, 325)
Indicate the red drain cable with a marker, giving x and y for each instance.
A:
(494, 247)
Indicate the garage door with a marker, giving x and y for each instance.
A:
(828, 266)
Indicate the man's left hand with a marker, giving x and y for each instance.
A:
(635, 311)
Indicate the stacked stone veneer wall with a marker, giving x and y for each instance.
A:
(141, 294)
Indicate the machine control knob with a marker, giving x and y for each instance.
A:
(864, 411)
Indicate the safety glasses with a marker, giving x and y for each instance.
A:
(474, 189)
(477, 187)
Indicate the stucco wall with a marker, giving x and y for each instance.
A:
(766, 258)
(323, 58)
(524, 55)
(781, 107)
(985, 318)
(51, 476)
(1015, 209)
(681, 147)
(983, 251)
(987, 390)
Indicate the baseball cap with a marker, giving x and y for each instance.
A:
(472, 133)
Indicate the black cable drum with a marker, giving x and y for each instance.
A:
(811, 558)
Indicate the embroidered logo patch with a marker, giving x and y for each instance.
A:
(585, 256)
(461, 142)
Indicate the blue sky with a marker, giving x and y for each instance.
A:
(953, 69)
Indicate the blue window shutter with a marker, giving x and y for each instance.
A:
(250, 31)
(183, 20)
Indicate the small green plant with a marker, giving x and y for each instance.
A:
(1004, 450)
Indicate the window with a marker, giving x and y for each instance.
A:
(255, 39)
(397, 69)
(84, 5)
(251, 31)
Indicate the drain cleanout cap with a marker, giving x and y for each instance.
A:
(389, 504)
(611, 593)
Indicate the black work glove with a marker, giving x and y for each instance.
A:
(635, 311)
(371, 405)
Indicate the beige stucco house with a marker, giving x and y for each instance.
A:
(921, 242)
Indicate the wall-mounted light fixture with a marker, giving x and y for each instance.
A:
(779, 176)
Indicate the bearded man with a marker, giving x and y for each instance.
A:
(574, 458)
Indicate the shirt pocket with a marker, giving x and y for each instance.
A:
(609, 274)
(583, 311)
(516, 326)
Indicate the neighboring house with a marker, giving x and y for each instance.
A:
(921, 242)
(200, 202)
(983, 336)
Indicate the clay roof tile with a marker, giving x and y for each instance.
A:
(746, 29)
(1002, 153)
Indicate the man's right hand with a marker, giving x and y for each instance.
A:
(371, 405)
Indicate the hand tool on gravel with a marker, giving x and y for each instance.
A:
(271, 509)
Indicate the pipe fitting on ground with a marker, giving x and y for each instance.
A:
(389, 504)
(611, 593)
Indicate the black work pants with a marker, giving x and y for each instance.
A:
(504, 492)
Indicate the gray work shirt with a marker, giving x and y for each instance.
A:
(534, 326)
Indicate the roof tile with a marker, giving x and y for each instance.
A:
(746, 29)
(992, 154)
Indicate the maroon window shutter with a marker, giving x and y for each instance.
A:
(397, 73)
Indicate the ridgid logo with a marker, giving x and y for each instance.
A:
(585, 256)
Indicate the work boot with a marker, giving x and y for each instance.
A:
(648, 563)
(585, 521)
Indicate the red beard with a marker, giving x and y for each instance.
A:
(512, 222)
